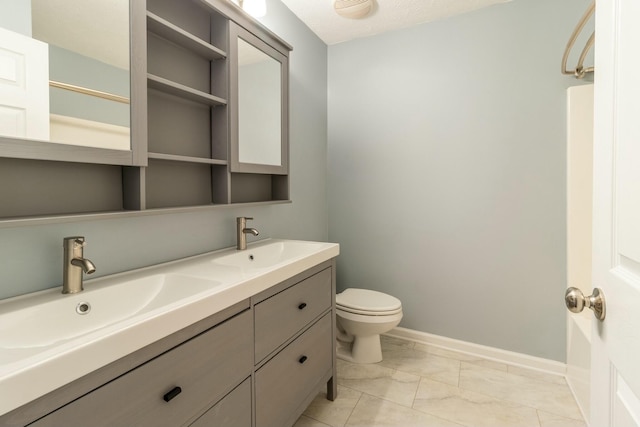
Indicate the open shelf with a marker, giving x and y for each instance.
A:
(183, 91)
(187, 159)
(177, 35)
(173, 184)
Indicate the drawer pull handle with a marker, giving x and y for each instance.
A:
(302, 359)
(301, 306)
(173, 393)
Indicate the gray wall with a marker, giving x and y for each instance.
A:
(15, 15)
(31, 257)
(447, 172)
(73, 68)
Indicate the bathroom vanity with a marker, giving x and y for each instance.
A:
(258, 357)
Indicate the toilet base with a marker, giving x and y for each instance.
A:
(363, 349)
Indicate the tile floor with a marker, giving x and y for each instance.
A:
(420, 385)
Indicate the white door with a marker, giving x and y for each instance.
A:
(615, 356)
(24, 86)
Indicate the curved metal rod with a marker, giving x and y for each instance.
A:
(580, 70)
(573, 38)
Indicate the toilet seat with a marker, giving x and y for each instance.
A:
(367, 302)
(368, 313)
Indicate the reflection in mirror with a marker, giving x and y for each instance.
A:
(64, 71)
(260, 107)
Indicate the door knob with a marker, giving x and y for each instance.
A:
(576, 302)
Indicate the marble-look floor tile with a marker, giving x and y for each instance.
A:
(337, 412)
(374, 412)
(389, 343)
(470, 408)
(463, 357)
(304, 421)
(532, 373)
(549, 397)
(552, 420)
(422, 385)
(376, 380)
(428, 365)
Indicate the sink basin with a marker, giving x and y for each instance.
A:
(48, 339)
(52, 318)
(263, 256)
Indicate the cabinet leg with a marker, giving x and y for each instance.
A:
(332, 389)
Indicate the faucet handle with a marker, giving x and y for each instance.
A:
(76, 241)
(79, 242)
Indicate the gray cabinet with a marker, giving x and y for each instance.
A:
(284, 383)
(193, 103)
(232, 411)
(187, 79)
(170, 389)
(209, 373)
(281, 316)
(295, 345)
(259, 88)
(184, 125)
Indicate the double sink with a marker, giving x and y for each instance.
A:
(48, 339)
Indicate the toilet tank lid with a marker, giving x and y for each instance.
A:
(368, 300)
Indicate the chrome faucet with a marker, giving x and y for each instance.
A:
(74, 265)
(242, 231)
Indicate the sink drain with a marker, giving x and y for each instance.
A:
(83, 308)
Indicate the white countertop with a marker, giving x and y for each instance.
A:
(41, 369)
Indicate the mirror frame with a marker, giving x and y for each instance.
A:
(18, 148)
(235, 165)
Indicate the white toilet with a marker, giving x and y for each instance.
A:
(362, 315)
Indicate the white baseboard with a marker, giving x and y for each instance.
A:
(491, 353)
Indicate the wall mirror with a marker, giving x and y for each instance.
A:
(260, 106)
(64, 72)
(260, 127)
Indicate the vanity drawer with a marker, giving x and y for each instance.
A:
(232, 411)
(284, 382)
(279, 317)
(204, 368)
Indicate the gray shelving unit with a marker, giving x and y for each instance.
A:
(189, 118)
(187, 71)
(181, 129)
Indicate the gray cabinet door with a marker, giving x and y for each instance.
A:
(170, 389)
(286, 381)
(232, 411)
(280, 317)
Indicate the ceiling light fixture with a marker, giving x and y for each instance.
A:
(353, 9)
(255, 8)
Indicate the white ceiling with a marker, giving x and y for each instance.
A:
(95, 28)
(387, 15)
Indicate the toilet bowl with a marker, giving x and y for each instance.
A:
(361, 316)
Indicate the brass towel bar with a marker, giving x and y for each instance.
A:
(87, 91)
